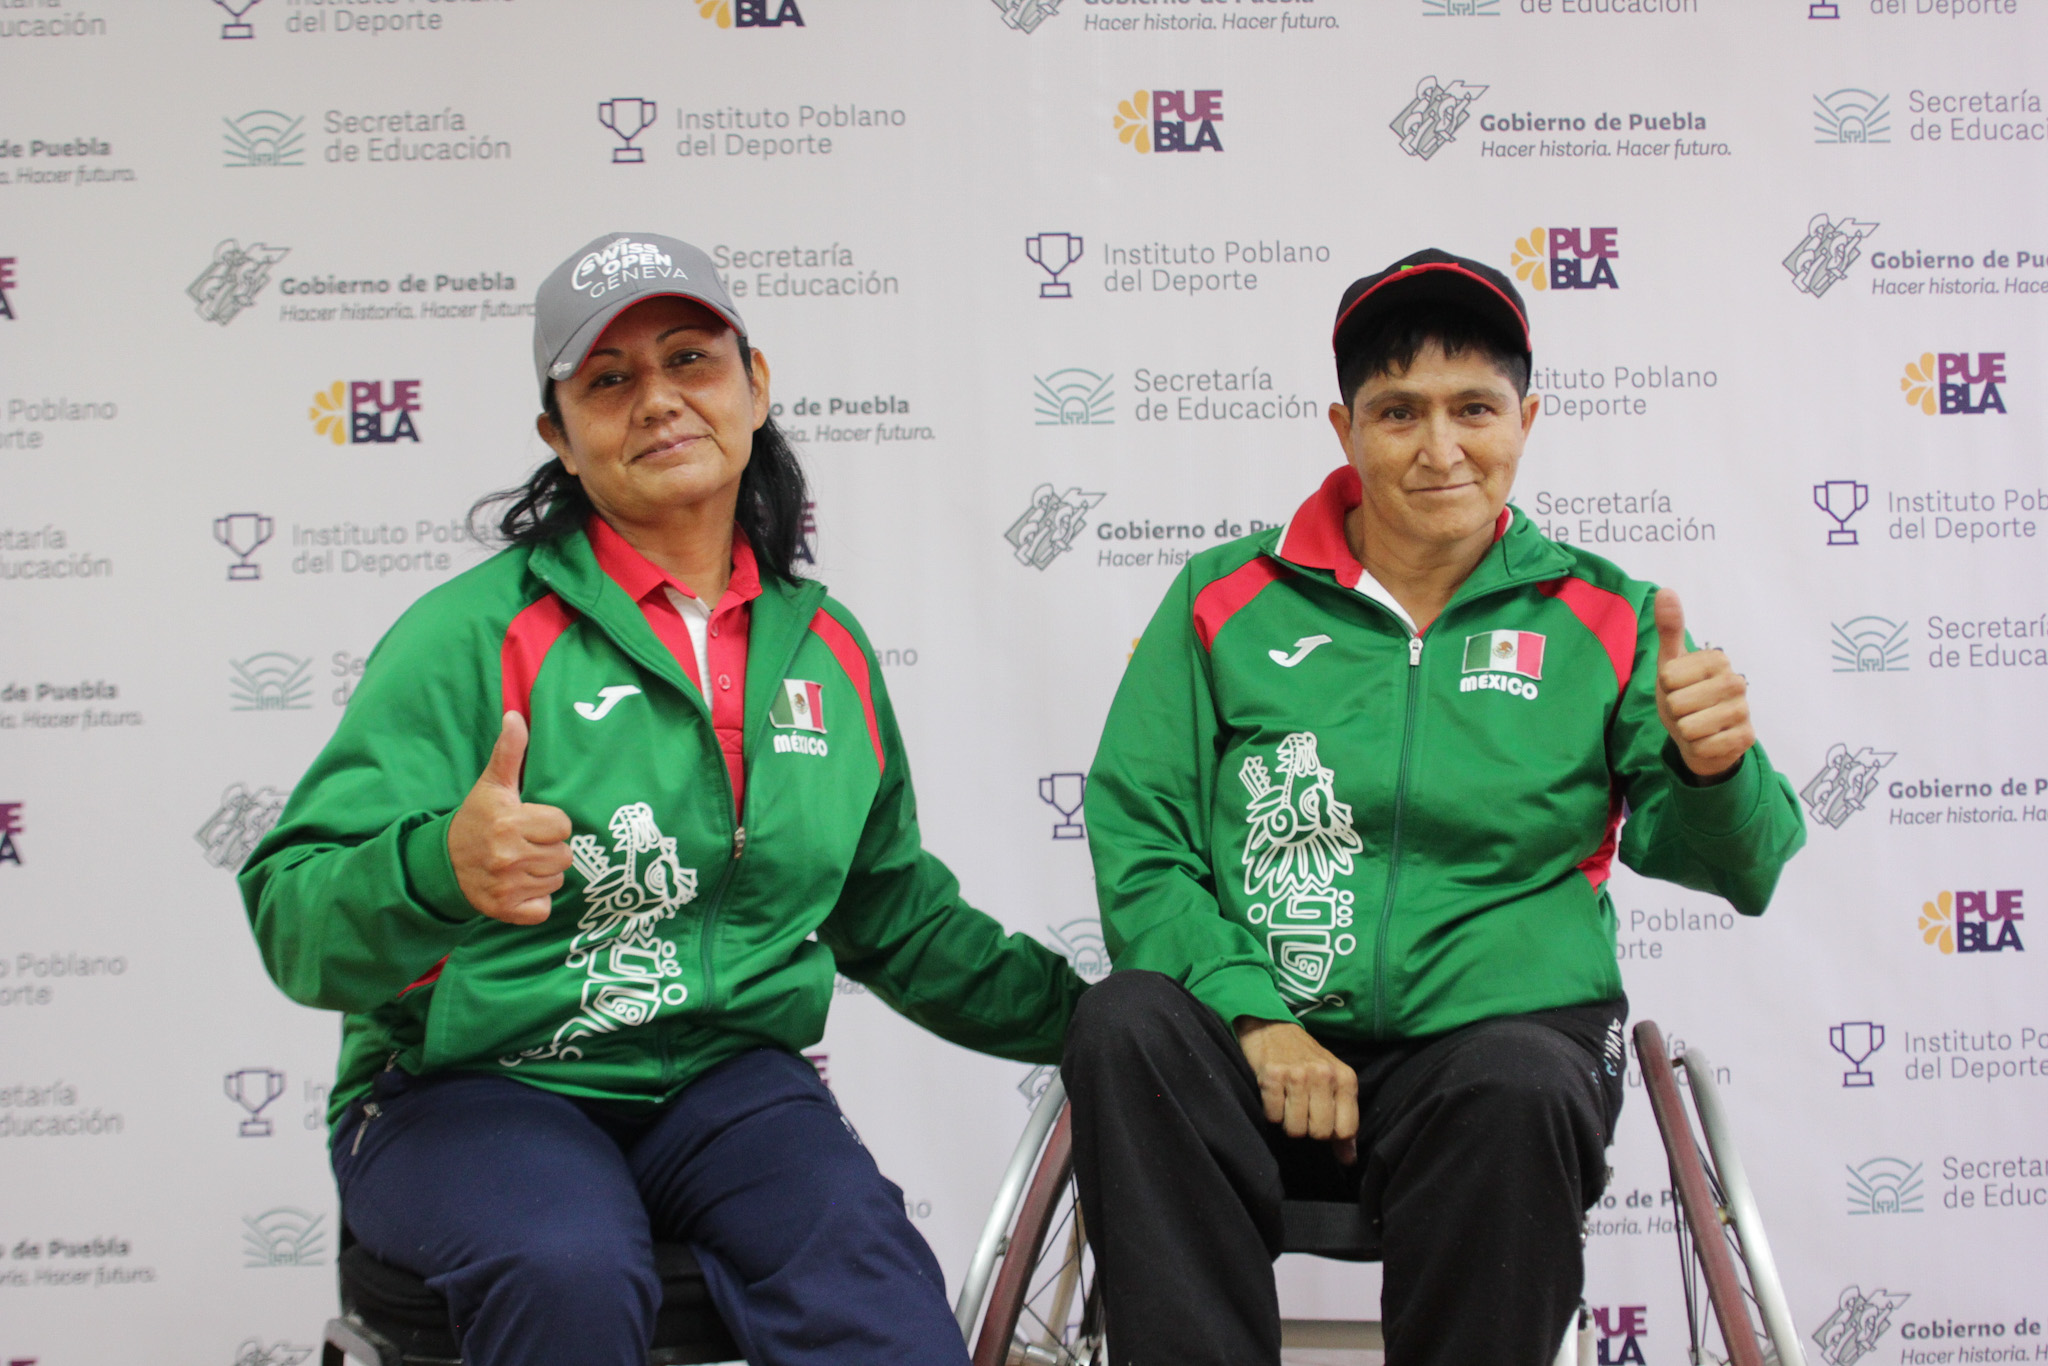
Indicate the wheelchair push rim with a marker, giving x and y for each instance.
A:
(1038, 1302)
(1719, 1227)
(995, 1233)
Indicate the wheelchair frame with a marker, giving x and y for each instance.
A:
(1720, 1231)
(1720, 1235)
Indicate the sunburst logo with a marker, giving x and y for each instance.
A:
(1937, 922)
(271, 682)
(264, 137)
(1134, 121)
(1886, 1185)
(1871, 644)
(1531, 259)
(1921, 390)
(1852, 115)
(750, 13)
(1075, 398)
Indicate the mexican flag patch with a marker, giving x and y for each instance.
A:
(1513, 652)
(799, 706)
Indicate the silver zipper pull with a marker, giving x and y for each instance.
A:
(1414, 651)
(739, 841)
(371, 1109)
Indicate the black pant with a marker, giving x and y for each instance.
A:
(1479, 1152)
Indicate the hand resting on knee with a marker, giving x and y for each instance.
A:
(1306, 1087)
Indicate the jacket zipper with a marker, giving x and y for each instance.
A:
(1379, 951)
(1385, 929)
(371, 1109)
(739, 835)
(739, 829)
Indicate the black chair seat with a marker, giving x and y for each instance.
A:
(399, 1308)
(1328, 1228)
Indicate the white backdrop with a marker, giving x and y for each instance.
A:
(218, 252)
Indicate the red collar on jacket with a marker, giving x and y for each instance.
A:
(726, 637)
(1315, 539)
(640, 576)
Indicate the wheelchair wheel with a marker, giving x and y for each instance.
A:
(1721, 1243)
(1042, 1306)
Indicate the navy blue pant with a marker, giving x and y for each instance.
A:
(535, 1215)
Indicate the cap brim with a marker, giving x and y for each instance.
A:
(1433, 282)
(576, 350)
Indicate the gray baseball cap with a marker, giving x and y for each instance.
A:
(582, 295)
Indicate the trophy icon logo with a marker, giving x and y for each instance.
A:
(1841, 499)
(1063, 793)
(237, 27)
(243, 533)
(1856, 1040)
(253, 1088)
(628, 117)
(1054, 252)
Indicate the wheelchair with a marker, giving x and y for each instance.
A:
(1029, 1297)
(1030, 1286)
(390, 1317)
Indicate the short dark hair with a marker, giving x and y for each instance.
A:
(552, 503)
(1392, 345)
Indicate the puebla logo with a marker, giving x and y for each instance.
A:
(1567, 258)
(1946, 384)
(751, 13)
(1170, 121)
(367, 411)
(1973, 922)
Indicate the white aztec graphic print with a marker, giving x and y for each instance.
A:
(1301, 842)
(627, 966)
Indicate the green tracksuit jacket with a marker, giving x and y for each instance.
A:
(677, 941)
(1300, 809)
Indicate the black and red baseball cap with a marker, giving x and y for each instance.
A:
(1431, 276)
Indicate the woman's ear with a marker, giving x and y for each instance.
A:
(758, 377)
(558, 443)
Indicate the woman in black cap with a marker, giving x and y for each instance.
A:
(1352, 818)
(576, 988)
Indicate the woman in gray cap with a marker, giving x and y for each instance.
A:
(599, 825)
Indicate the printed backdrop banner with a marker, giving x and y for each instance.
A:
(1046, 287)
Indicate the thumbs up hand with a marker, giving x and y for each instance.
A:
(509, 854)
(1701, 700)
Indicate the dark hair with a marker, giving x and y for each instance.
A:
(1392, 345)
(552, 503)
